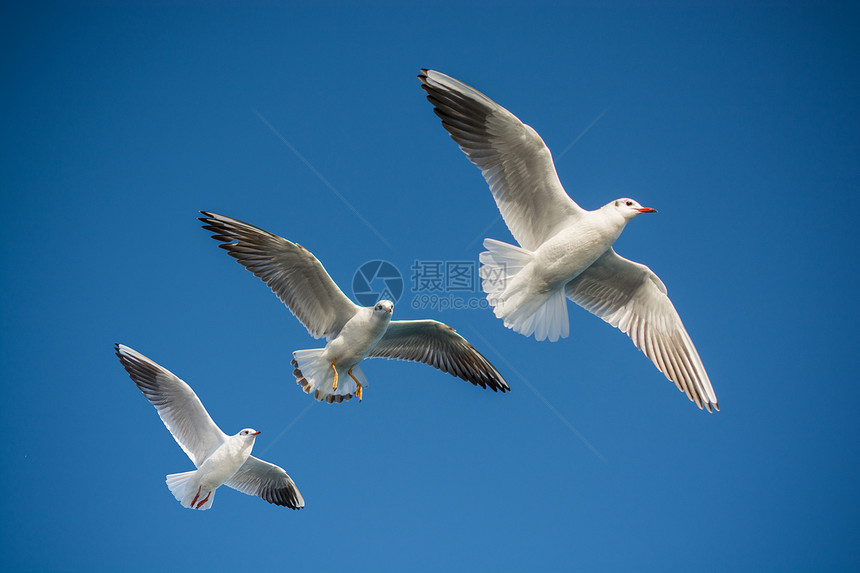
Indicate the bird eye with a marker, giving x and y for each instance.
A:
(629, 203)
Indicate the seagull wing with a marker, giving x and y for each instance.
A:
(177, 404)
(630, 297)
(266, 481)
(438, 345)
(513, 158)
(290, 270)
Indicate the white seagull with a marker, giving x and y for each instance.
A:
(564, 249)
(352, 332)
(220, 459)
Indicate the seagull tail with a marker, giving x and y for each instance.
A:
(525, 312)
(186, 488)
(316, 376)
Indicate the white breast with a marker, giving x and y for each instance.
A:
(224, 462)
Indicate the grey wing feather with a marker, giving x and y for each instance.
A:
(630, 297)
(266, 481)
(178, 406)
(438, 345)
(513, 158)
(290, 270)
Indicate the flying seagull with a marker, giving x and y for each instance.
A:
(565, 251)
(352, 332)
(220, 459)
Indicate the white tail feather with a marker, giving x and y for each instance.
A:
(316, 376)
(526, 312)
(178, 483)
(499, 264)
(185, 487)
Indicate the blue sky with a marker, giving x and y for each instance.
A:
(120, 122)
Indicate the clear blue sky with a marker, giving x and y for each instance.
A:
(119, 122)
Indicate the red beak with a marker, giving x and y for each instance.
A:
(255, 433)
(388, 310)
(647, 210)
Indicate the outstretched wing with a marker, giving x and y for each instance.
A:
(513, 158)
(268, 482)
(177, 404)
(438, 345)
(630, 297)
(290, 270)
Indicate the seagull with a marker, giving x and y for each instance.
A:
(352, 332)
(220, 459)
(564, 250)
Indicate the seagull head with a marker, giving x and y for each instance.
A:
(248, 434)
(383, 308)
(628, 208)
